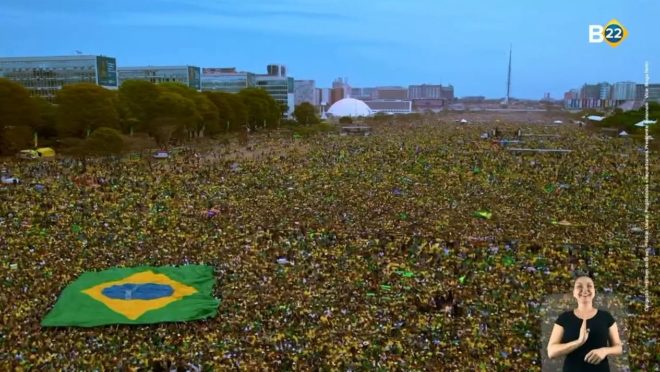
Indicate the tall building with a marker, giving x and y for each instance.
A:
(424, 91)
(448, 93)
(322, 96)
(624, 91)
(342, 84)
(654, 92)
(572, 94)
(43, 76)
(428, 91)
(337, 94)
(279, 86)
(226, 79)
(276, 70)
(590, 91)
(186, 75)
(363, 94)
(390, 93)
(340, 90)
(605, 90)
(304, 91)
(639, 92)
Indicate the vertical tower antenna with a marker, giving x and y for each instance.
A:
(508, 80)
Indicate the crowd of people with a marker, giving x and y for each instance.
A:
(417, 248)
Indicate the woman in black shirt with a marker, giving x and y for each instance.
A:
(583, 334)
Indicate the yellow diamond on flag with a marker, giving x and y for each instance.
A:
(141, 292)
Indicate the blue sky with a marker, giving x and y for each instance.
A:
(373, 43)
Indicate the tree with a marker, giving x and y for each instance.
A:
(239, 110)
(177, 111)
(163, 128)
(137, 104)
(261, 107)
(104, 141)
(18, 115)
(284, 109)
(82, 108)
(379, 117)
(225, 112)
(209, 115)
(46, 116)
(15, 138)
(345, 120)
(627, 119)
(206, 113)
(305, 113)
(16, 106)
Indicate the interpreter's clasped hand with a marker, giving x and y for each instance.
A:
(595, 356)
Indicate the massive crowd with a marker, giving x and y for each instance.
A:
(417, 248)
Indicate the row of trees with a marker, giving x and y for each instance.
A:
(165, 112)
(627, 119)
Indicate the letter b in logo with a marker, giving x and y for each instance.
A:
(595, 34)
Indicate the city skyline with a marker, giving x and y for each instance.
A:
(380, 44)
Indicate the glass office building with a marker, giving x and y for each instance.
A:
(280, 88)
(43, 76)
(226, 80)
(186, 75)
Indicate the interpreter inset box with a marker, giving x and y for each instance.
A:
(555, 305)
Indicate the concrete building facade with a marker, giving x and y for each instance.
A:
(624, 91)
(304, 91)
(226, 79)
(654, 92)
(279, 86)
(590, 91)
(431, 91)
(186, 75)
(605, 91)
(44, 76)
(390, 93)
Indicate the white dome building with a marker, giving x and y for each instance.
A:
(349, 107)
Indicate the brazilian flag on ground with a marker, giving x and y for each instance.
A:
(138, 295)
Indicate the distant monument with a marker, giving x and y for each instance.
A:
(508, 81)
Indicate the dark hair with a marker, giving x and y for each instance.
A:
(581, 273)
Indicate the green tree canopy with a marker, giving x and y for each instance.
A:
(84, 107)
(17, 109)
(261, 107)
(210, 115)
(177, 110)
(163, 128)
(47, 113)
(239, 111)
(627, 119)
(345, 120)
(104, 141)
(305, 113)
(15, 138)
(138, 104)
(232, 113)
(205, 112)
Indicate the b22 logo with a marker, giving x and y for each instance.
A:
(612, 33)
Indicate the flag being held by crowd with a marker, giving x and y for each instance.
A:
(139, 295)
